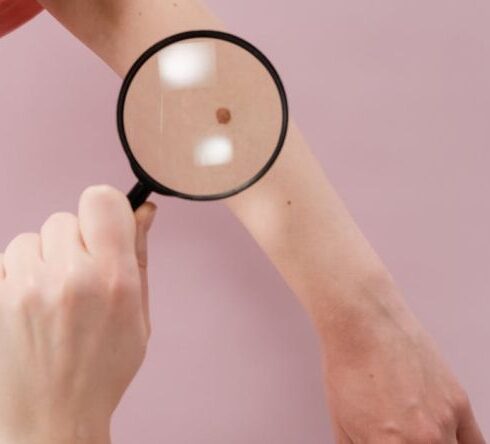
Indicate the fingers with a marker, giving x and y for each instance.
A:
(107, 223)
(468, 431)
(144, 219)
(60, 238)
(23, 256)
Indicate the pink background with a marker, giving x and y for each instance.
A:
(394, 97)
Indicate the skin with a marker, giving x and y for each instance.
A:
(385, 380)
(74, 322)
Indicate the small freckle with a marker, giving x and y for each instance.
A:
(289, 202)
(371, 375)
(223, 115)
(139, 13)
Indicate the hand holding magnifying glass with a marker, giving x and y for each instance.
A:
(202, 116)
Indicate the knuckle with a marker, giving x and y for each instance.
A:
(21, 240)
(101, 192)
(27, 237)
(77, 282)
(102, 188)
(122, 282)
(119, 284)
(59, 219)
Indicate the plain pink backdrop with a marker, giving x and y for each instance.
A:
(394, 97)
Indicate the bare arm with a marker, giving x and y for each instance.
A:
(293, 212)
(393, 382)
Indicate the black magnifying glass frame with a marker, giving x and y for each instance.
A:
(146, 184)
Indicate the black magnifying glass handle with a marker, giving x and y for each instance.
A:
(138, 195)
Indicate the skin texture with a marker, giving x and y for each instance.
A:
(74, 322)
(14, 13)
(386, 381)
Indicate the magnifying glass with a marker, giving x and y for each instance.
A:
(202, 115)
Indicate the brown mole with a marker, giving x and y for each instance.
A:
(223, 115)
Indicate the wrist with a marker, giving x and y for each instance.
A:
(355, 316)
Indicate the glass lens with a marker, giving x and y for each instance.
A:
(203, 116)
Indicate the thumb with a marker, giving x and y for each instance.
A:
(144, 220)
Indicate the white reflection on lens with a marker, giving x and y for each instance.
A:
(185, 65)
(216, 150)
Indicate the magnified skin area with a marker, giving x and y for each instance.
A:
(168, 125)
(385, 379)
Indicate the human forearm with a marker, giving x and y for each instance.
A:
(293, 212)
(385, 378)
(299, 220)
